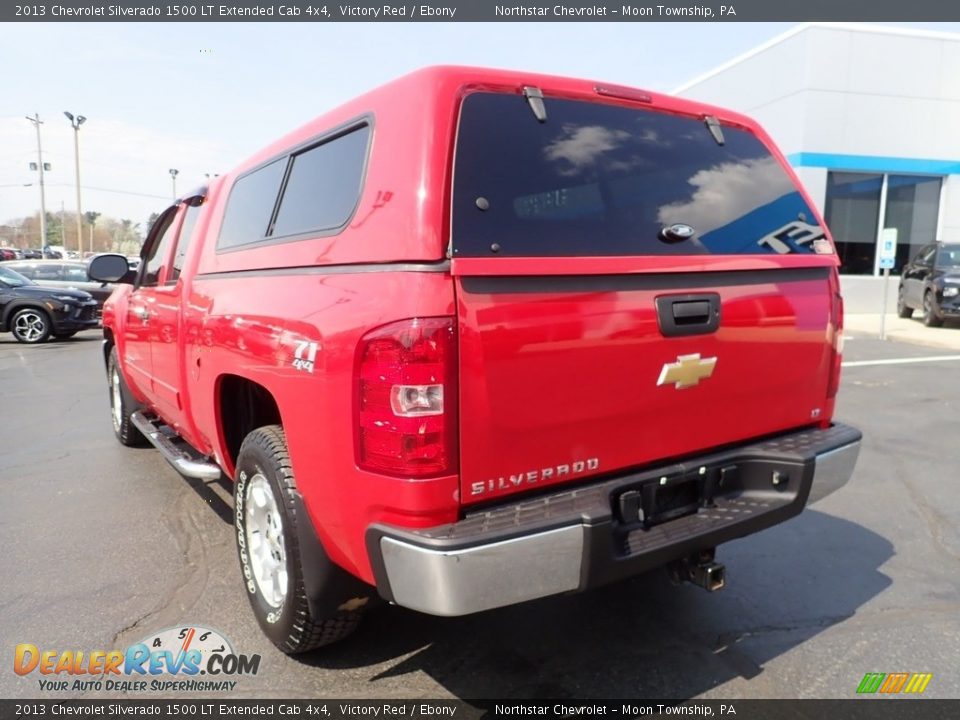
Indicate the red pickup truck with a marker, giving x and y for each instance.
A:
(479, 337)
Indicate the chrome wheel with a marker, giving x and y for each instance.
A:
(264, 531)
(29, 326)
(116, 400)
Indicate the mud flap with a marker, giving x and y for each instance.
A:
(328, 587)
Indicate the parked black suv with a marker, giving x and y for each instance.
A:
(33, 313)
(931, 283)
(70, 274)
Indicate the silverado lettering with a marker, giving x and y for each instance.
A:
(533, 476)
(390, 325)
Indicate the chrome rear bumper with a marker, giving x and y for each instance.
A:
(493, 559)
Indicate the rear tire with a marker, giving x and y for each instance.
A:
(30, 326)
(931, 318)
(268, 547)
(903, 310)
(122, 406)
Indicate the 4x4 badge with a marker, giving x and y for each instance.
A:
(687, 371)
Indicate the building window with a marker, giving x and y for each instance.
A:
(859, 204)
(852, 211)
(913, 202)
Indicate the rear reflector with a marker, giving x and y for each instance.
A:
(406, 398)
(836, 321)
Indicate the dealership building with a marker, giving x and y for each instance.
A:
(869, 117)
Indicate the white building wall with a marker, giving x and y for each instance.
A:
(863, 91)
(765, 86)
(814, 180)
(884, 94)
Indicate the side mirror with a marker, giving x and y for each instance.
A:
(110, 268)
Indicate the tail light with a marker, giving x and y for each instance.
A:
(836, 355)
(406, 398)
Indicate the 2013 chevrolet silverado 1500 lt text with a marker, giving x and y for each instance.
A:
(479, 337)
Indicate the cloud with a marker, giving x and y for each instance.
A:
(727, 191)
(581, 147)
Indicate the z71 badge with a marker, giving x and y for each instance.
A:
(305, 356)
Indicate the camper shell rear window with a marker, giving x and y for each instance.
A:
(599, 179)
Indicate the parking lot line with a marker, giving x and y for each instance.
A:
(902, 361)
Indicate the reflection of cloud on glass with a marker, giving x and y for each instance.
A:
(728, 191)
(581, 147)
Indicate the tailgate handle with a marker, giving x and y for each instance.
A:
(691, 311)
(688, 314)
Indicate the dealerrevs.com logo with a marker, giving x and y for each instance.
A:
(181, 659)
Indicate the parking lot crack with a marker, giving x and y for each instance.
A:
(187, 586)
(936, 524)
(726, 640)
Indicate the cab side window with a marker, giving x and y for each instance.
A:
(183, 241)
(926, 256)
(157, 249)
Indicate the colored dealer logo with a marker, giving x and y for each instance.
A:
(687, 371)
(181, 652)
(892, 683)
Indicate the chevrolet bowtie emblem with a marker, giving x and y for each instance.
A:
(687, 371)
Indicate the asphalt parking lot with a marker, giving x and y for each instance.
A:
(104, 545)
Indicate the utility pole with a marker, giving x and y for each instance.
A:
(37, 122)
(75, 123)
(173, 176)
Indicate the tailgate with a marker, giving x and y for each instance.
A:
(632, 286)
(566, 377)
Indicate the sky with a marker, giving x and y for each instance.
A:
(201, 97)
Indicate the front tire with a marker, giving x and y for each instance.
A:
(903, 310)
(30, 326)
(931, 315)
(267, 543)
(122, 405)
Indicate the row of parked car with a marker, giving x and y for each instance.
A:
(40, 299)
(28, 254)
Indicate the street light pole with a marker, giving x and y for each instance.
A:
(173, 176)
(37, 122)
(75, 123)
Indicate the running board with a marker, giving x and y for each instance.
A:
(174, 449)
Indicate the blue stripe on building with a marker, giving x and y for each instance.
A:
(875, 163)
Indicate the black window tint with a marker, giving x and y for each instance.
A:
(324, 185)
(599, 179)
(250, 206)
(183, 241)
(157, 252)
